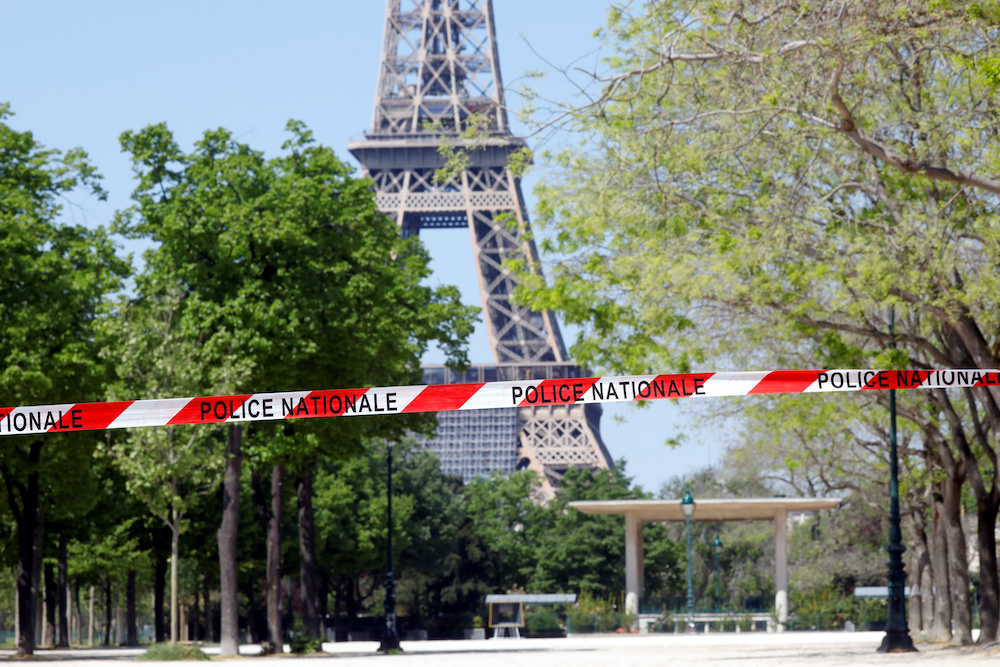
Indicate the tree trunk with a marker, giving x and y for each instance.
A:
(36, 576)
(175, 548)
(78, 616)
(307, 554)
(159, 591)
(919, 561)
(324, 591)
(39, 604)
(90, 624)
(958, 564)
(229, 639)
(120, 637)
(989, 585)
(107, 609)
(289, 605)
(207, 597)
(275, 633)
(253, 614)
(339, 631)
(987, 498)
(941, 628)
(132, 637)
(927, 601)
(22, 501)
(271, 512)
(351, 602)
(195, 616)
(49, 635)
(64, 611)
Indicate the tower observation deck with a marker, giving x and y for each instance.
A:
(439, 74)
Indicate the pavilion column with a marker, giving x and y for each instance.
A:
(781, 567)
(633, 562)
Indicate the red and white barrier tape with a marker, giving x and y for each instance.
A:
(448, 397)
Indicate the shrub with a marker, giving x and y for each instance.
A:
(664, 623)
(728, 623)
(745, 623)
(591, 614)
(303, 644)
(165, 651)
(542, 619)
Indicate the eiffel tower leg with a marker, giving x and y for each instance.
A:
(555, 439)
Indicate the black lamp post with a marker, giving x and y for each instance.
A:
(717, 549)
(390, 640)
(687, 509)
(897, 633)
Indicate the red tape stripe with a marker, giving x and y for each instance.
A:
(679, 385)
(93, 416)
(786, 382)
(440, 397)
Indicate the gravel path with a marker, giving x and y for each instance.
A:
(746, 649)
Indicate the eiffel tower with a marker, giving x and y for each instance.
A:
(439, 75)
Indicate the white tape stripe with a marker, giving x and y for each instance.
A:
(812, 388)
(150, 412)
(733, 384)
(405, 395)
(496, 394)
(383, 400)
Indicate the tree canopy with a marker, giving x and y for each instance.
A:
(54, 278)
(771, 185)
(285, 276)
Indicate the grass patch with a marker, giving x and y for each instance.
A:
(166, 651)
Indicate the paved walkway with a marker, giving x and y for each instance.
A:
(821, 649)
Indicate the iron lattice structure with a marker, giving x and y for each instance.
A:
(439, 77)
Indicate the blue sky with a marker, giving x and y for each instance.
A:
(79, 74)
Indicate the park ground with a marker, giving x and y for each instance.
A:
(747, 649)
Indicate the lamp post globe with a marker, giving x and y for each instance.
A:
(717, 549)
(687, 509)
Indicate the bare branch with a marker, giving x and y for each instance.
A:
(907, 165)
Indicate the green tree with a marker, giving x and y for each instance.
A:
(441, 585)
(54, 278)
(296, 280)
(166, 468)
(109, 561)
(506, 516)
(585, 553)
(351, 511)
(821, 445)
(763, 184)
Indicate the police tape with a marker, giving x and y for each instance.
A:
(477, 396)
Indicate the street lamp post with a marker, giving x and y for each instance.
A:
(687, 509)
(897, 633)
(390, 640)
(717, 549)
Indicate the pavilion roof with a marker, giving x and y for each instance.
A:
(709, 509)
